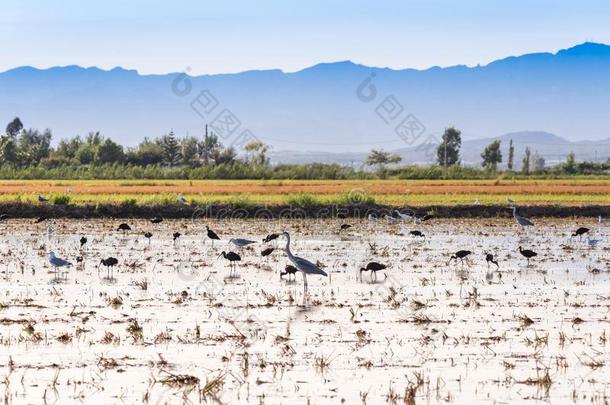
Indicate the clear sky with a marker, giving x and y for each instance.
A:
(213, 36)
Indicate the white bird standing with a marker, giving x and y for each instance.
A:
(303, 265)
(509, 200)
(181, 199)
(241, 243)
(601, 219)
(57, 262)
(404, 217)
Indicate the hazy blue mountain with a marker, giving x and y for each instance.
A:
(317, 109)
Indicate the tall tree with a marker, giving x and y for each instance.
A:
(511, 155)
(492, 155)
(208, 148)
(171, 149)
(448, 151)
(8, 150)
(258, 153)
(109, 152)
(538, 163)
(189, 151)
(570, 164)
(14, 127)
(34, 146)
(526, 161)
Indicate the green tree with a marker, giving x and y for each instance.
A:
(67, 148)
(109, 152)
(257, 153)
(147, 153)
(538, 163)
(570, 164)
(492, 156)
(171, 149)
(34, 146)
(525, 169)
(14, 127)
(511, 155)
(8, 150)
(448, 151)
(189, 150)
(86, 153)
(224, 156)
(380, 158)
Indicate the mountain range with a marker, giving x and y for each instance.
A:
(336, 111)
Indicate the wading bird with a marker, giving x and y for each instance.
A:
(344, 227)
(489, 258)
(270, 237)
(373, 267)
(404, 217)
(372, 218)
(57, 263)
(267, 252)
(601, 219)
(417, 234)
(148, 235)
(241, 243)
(528, 254)
(232, 257)
(41, 219)
(592, 242)
(580, 232)
(303, 265)
(42, 199)
(460, 254)
(4, 217)
(181, 199)
(156, 220)
(82, 241)
(390, 219)
(211, 235)
(109, 262)
(509, 200)
(176, 235)
(521, 220)
(427, 217)
(289, 270)
(124, 228)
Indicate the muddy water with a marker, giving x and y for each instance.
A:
(171, 326)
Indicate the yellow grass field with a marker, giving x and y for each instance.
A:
(576, 192)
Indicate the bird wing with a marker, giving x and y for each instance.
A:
(308, 267)
(525, 221)
(56, 261)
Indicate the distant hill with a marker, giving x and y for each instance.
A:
(317, 109)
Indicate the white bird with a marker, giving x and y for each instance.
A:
(592, 242)
(303, 265)
(372, 218)
(390, 219)
(477, 202)
(181, 199)
(57, 262)
(42, 199)
(510, 200)
(521, 220)
(50, 231)
(404, 217)
(241, 243)
(601, 219)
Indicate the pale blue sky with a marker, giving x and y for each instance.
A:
(213, 36)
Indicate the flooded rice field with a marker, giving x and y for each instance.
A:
(171, 325)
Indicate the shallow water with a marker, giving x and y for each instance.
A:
(425, 330)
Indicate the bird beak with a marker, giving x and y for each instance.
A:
(219, 256)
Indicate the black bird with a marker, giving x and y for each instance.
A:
(270, 237)
(176, 235)
(427, 218)
(489, 258)
(232, 257)
(373, 267)
(148, 235)
(41, 219)
(83, 240)
(156, 220)
(290, 270)
(267, 252)
(345, 226)
(417, 234)
(580, 232)
(460, 254)
(528, 254)
(124, 227)
(212, 235)
(109, 262)
(4, 216)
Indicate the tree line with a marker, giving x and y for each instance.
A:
(28, 154)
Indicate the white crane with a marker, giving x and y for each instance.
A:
(303, 265)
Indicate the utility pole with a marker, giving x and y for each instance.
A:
(206, 158)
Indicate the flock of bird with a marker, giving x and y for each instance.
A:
(300, 264)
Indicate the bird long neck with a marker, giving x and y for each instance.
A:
(288, 252)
